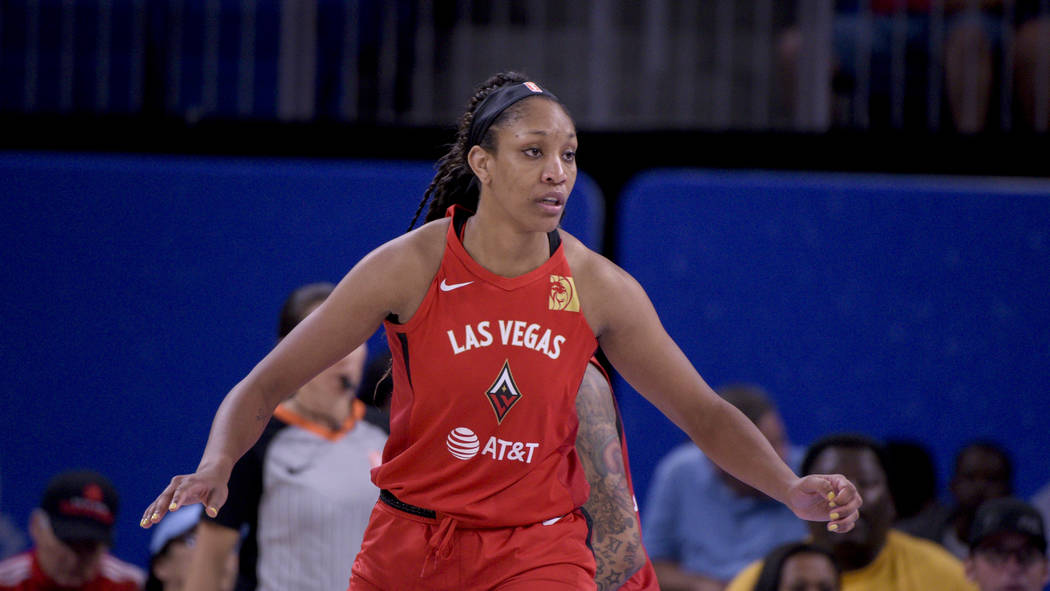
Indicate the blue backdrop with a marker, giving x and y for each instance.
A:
(896, 306)
(137, 290)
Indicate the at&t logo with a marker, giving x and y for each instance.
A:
(463, 444)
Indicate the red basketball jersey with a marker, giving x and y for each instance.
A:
(483, 417)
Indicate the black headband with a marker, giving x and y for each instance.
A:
(491, 106)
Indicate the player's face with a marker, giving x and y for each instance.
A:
(534, 167)
(808, 571)
(1008, 562)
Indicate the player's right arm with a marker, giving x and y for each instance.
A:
(393, 279)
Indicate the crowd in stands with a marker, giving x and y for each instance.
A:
(704, 530)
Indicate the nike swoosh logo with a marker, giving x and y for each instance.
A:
(449, 287)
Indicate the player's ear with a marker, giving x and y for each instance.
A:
(480, 160)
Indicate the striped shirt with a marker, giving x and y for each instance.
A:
(303, 497)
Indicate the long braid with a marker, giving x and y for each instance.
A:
(452, 182)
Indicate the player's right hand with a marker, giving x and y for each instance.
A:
(206, 486)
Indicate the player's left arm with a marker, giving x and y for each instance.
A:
(635, 342)
(615, 536)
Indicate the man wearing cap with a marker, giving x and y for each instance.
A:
(1008, 547)
(72, 532)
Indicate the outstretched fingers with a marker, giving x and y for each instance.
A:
(182, 490)
(159, 507)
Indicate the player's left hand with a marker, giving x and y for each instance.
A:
(826, 497)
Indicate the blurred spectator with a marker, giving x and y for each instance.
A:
(872, 555)
(171, 549)
(982, 471)
(701, 525)
(1008, 547)
(893, 50)
(1041, 501)
(72, 532)
(302, 494)
(1032, 63)
(912, 477)
(799, 566)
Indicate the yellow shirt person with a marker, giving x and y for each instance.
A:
(905, 563)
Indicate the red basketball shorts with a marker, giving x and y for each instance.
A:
(404, 551)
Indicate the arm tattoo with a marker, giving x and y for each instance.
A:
(615, 538)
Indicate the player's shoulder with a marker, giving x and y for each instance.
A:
(428, 235)
(421, 246)
(587, 265)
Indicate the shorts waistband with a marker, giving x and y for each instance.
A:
(389, 498)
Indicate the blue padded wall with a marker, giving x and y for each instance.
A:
(897, 306)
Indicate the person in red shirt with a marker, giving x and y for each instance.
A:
(72, 531)
(492, 313)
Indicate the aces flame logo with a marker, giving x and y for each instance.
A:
(563, 294)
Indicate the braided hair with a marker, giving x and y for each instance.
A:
(453, 183)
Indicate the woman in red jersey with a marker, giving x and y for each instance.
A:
(492, 313)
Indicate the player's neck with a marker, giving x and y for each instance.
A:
(502, 249)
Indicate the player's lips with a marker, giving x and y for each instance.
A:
(552, 201)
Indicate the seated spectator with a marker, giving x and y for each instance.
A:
(701, 525)
(1008, 547)
(171, 549)
(1041, 501)
(873, 556)
(912, 477)
(799, 566)
(1031, 65)
(72, 532)
(983, 471)
(892, 56)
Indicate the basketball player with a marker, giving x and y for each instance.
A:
(492, 314)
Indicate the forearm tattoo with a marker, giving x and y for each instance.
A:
(615, 536)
